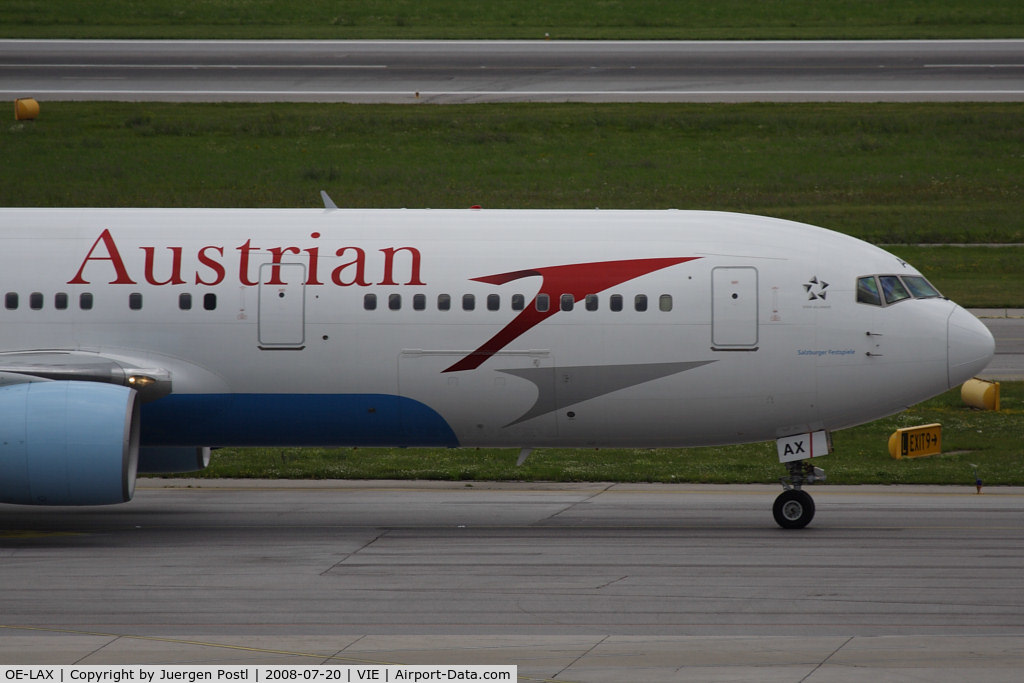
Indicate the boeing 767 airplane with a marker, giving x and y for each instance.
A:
(134, 340)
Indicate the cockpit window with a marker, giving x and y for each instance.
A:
(867, 291)
(882, 290)
(893, 289)
(919, 287)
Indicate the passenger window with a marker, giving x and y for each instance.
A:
(419, 302)
(35, 301)
(468, 302)
(640, 302)
(185, 301)
(893, 289)
(920, 288)
(60, 301)
(370, 302)
(11, 301)
(444, 302)
(85, 301)
(591, 302)
(395, 302)
(665, 303)
(209, 301)
(566, 302)
(615, 302)
(493, 302)
(135, 301)
(518, 302)
(543, 302)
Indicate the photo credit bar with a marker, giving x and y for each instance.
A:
(343, 673)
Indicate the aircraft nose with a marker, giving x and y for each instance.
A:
(969, 346)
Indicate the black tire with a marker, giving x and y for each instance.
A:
(793, 509)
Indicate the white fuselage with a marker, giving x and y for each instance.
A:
(262, 324)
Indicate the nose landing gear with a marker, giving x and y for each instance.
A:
(794, 508)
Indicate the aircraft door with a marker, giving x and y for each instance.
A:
(282, 306)
(734, 309)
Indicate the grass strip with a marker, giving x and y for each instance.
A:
(976, 443)
(975, 277)
(887, 173)
(562, 19)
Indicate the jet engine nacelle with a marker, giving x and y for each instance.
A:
(68, 443)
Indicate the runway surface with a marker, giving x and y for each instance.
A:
(587, 582)
(478, 71)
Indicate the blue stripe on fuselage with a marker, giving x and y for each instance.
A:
(292, 420)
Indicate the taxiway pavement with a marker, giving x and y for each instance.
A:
(585, 582)
(478, 71)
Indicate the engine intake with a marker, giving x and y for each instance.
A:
(68, 443)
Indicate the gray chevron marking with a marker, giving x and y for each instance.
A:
(563, 387)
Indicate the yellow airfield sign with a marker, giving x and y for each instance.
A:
(916, 442)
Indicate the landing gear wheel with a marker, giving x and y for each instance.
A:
(793, 509)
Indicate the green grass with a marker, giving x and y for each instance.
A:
(561, 19)
(888, 173)
(986, 443)
(975, 277)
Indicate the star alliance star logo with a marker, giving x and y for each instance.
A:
(816, 289)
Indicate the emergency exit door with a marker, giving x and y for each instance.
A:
(734, 309)
(282, 306)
